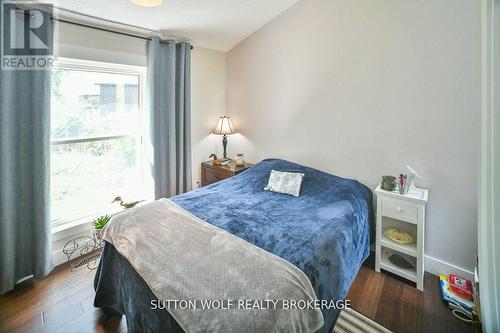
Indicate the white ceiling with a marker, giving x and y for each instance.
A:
(215, 24)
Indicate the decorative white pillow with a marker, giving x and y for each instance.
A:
(285, 182)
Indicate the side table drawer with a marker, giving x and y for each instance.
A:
(399, 209)
(210, 176)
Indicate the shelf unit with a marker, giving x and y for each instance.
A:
(406, 212)
(407, 273)
(409, 249)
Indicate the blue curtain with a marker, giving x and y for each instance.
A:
(169, 88)
(25, 245)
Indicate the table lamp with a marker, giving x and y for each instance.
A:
(224, 127)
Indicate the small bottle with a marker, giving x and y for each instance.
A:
(403, 184)
(240, 160)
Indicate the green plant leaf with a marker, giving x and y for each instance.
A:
(101, 221)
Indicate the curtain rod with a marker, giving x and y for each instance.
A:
(94, 27)
(104, 29)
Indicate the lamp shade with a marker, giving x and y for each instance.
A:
(147, 3)
(224, 126)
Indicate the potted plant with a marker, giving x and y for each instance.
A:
(99, 224)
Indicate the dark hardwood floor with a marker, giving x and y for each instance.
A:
(63, 302)
(399, 306)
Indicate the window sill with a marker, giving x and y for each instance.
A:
(66, 229)
(69, 229)
(72, 227)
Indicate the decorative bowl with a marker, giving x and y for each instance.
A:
(399, 236)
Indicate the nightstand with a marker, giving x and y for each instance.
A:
(406, 212)
(211, 173)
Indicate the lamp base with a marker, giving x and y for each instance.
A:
(224, 144)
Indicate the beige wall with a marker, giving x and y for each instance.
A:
(362, 88)
(89, 44)
(208, 103)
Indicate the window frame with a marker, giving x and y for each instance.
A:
(140, 134)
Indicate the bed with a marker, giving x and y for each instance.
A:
(325, 232)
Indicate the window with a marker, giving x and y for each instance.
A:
(97, 143)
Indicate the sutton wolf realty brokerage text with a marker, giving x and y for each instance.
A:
(230, 304)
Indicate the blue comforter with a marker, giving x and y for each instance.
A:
(325, 232)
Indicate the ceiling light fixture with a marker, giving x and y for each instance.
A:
(147, 3)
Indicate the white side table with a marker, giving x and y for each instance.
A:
(406, 212)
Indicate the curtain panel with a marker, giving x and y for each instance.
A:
(25, 242)
(169, 98)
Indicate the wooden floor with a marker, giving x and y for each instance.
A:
(399, 306)
(63, 302)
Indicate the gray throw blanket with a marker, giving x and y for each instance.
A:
(183, 258)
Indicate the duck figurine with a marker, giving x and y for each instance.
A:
(126, 204)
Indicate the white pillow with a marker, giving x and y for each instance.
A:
(285, 182)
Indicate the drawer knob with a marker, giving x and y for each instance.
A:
(399, 210)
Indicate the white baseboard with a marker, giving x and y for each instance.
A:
(58, 257)
(437, 266)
